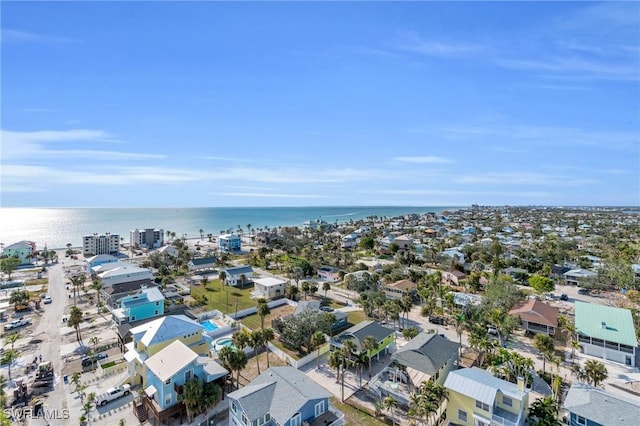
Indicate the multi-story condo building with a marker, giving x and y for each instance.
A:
(146, 238)
(100, 244)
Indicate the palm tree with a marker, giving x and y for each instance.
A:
(222, 276)
(389, 404)
(263, 311)
(544, 344)
(370, 344)
(360, 362)
(544, 412)
(241, 339)
(257, 341)
(192, 397)
(94, 341)
(243, 278)
(11, 338)
(317, 340)
(335, 361)
(9, 357)
(76, 281)
(201, 234)
(97, 286)
(596, 372)
(268, 335)
(75, 319)
(326, 286)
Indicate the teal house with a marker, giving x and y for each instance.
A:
(145, 304)
(167, 373)
(23, 250)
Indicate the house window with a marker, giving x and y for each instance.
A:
(581, 420)
(319, 408)
(157, 303)
(133, 318)
(187, 375)
(245, 420)
(462, 415)
(507, 401)
(155, 312)
(296, 420)
(481, 405)
(234, 407)
(168, 382)
(167, 399)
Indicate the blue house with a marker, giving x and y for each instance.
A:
(229, 243)
(147, 303)
(167, 372)
(282, 396)
(590, 406)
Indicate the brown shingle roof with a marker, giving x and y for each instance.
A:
(536, 311)
(403, 285)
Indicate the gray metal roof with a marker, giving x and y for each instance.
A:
(481, 385)
(427, 353)
(364, 329)
(280, 391)
(601, 407)
(239, 270)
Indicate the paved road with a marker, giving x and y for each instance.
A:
(48, 331)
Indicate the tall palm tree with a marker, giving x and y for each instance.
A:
(317, 340)
(268, 335)
(94, 341)
(241, 339)
(77, 281)
(9, 358)
(370, 345)
(596, 372)
(11, 338)
(75, 319)
(263, 311)
(97, 286)
(201, 234)
(257, 342)
(335, 361)
(389, 404)
(544, 343)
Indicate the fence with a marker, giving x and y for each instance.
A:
(250, 311)
(297, 363)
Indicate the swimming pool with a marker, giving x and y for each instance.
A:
(209, 326)
(221, 343)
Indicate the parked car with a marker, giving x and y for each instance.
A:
(583, 291)
(564, 297)
(326, 308)
(436, 320)
(47, 299)
(89, 360)
(17, 323)
(112, 394)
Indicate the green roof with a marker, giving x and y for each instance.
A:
(618, 324)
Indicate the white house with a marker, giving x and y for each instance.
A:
(268, 288)
(234, 276)
(578, 276)
(122, 273)
(452, 253)
(98, 260)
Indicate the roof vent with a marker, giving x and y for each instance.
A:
(604, 325)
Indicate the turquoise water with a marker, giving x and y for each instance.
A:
(208, 326)
(224, 342)
(57, 227)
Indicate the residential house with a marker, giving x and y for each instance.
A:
(23, 250)
(153, 336)
(329, 273)
(282, 396)
(383, 335)
(428, 356)
(120, 272)
(146, 303)
(99, 259)
(579, 276)
(400, 289)
(146, 238)
(340, 318)
(590, 406)
(606, 332)
(202, 264)
(169, 250)
(462, 300)
(537, 317)
(238, 275)
(268, 288)
(167, 373)
(316, 225)
(453, 277)
(404, 242)
(517, 273)
(454, 253)
(112, 294)
(349, 241)
(229, 243)
(100, 244)
(477, 398)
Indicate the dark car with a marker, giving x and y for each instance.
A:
(436, 320)
(564, 297)
(326, 308)
(88, 360)
(583, 291)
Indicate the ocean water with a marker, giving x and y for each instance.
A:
(55, 227)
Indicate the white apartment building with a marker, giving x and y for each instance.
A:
(100, 244)
(146, 238)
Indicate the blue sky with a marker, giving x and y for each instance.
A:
(130, 104)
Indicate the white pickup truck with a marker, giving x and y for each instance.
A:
(112, 394)
(17, 323)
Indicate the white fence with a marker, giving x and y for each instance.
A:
(250, 311)
(297, 363)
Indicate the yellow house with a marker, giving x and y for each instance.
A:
(153, 336)
(477, 398)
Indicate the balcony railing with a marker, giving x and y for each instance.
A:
(340, 417)
(498, 420)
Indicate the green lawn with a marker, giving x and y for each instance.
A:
(356, 317)
(354, 416)
(224, 298)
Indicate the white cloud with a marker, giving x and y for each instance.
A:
(17, 36)
(268, 195)
(534, 194)
(429, 159)
(413, 42)
(523, 178)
